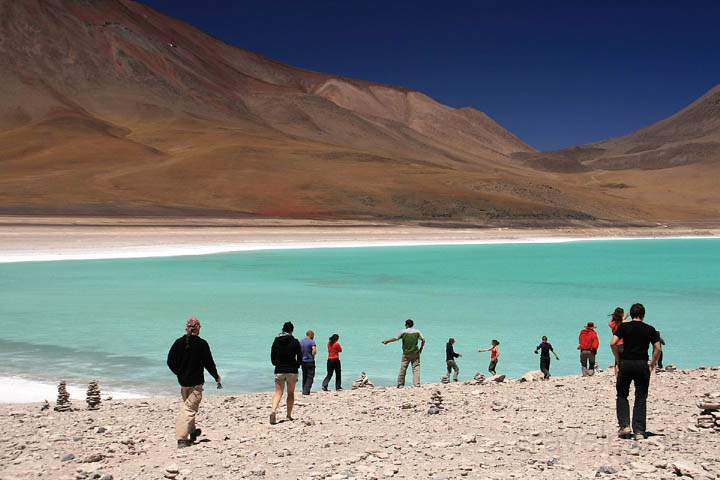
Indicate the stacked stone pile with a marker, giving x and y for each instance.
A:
(436, 403)
(362, 382)
(63, 403)
(478, 379)
(445, 379)
(709, 418)
(93, 396)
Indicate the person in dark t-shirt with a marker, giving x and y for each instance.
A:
(631, 366)
(545, 348)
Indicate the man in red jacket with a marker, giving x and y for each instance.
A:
(588, 344)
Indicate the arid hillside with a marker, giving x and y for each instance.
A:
(670, 169)
(110, 108)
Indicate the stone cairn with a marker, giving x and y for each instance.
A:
(478, 379)
(362, 382)
(63, 403)
(710, 415)
(93, 396)
(445, 379)
(436, 403)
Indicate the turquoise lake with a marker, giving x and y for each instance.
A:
(114, 320)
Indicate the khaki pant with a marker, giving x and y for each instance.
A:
(407, 359)
(185, 423)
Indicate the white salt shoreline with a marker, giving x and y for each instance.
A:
(59, 252)
(19, 390)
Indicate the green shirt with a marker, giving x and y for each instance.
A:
(410, 340)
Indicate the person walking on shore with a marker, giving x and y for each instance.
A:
(545, 348)
(333, 363)
(631, 366)
(411, 352)
(286, 356)
(309, 350)
(450, 357)
(588, 344)
(660, 360)
(188, 358)
(494, 350)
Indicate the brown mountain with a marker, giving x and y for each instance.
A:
(691, 136)
(110, 108)
(670, 170)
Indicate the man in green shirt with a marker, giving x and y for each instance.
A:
(411, 352)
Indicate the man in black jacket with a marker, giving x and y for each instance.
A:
(286, 356)
(450, 357)
(188, 358)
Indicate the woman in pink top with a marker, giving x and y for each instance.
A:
(494, 355)
(333, 363)
(617, 317)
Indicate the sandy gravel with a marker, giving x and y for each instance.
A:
(562, 428)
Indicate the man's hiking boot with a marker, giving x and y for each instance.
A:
(639, 436)
(184, 443)
(625, 432)
(194, 435)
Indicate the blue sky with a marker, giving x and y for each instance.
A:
(556, 73)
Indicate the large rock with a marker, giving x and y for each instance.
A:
(688, 469)
(534, 376)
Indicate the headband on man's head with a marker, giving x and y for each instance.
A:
(192, 326)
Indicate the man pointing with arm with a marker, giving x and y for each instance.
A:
(411, 352)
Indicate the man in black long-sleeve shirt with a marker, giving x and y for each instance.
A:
(188, 357)
(450, 357)
(286, 356)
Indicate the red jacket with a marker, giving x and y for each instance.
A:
(588, 339)
(334, 350)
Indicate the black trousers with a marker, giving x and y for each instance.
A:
(545, 366)
(308, 376)
(333, 366)
(491, 367)
(637, 372)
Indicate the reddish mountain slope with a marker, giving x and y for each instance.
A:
(109, 107)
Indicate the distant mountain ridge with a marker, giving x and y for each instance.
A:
(690, 136)
(111, 108)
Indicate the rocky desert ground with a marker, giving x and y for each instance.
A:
(563, 428)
